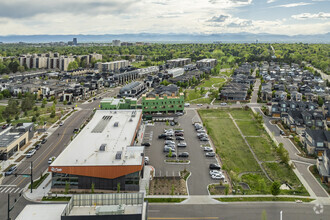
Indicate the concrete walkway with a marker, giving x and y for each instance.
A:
(40, 192)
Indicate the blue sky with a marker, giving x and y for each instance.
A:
(164, 16)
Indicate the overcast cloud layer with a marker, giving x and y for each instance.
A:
(22, 17)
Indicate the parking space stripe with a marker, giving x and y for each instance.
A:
(16, 190)
(11, 190)
(7, 190)
(21, 191)
(3, 190)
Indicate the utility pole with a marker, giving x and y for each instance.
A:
(31, 176)
(11, 207)
(27, 175)
(8, 210)
(281, 214)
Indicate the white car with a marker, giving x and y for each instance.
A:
(186, 104)
(61, 123)
(215, 172)
(199, 105)
(223, 103)
(146, 160)
(168, 142)
(51, 159)
(218, 177)
(30, 153)
(208, 149)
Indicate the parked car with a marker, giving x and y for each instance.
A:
(179, 138)
(182, 144)
(162, 136)
(37, 147)
(11, 171)
(201, 130)
(169, 138)
(168, 148)
(168, 142)
(5, 126)
(146, 144)
(178, 131)
(61, 123)
(186, 104)
(173, 155)
(172, 123)
(214, 172)
(210, 154)
(51, 159)
(179, 113)
(208, 149)
(204, 139)
(146, 160)
(282, 132)
(178, 134)
(43, 141)
(31, 153)
(218, 177)
(214, 166)
(199, 105)
(223, 104)
(168, 130)
(184, 154)
(75, 130)
(169, 133)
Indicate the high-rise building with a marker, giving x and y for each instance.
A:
(116, 43)
(75, 42)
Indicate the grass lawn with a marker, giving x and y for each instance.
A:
(191, 95)
(163, 200)
(202, 101)
(208, 83)
(241, 114)
(231, 147)
(213, 113)
(1, 109)
(249, 128)
(254, 181)
(262, 199)
(37, 183)
(262, 148)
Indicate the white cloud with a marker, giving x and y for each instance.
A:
(291, 5)
(271, 1)
(321, 15)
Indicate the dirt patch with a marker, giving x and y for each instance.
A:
(217, 189)
(168, 186)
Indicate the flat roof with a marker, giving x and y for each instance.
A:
(112, 130)
(11, 134)
(40, 212)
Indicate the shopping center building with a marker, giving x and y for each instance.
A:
(103, 154)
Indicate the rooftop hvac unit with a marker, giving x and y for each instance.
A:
(116, 124)
(118, 155)
(102, 147)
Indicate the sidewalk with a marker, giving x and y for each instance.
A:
(144, 183)
(40, 192)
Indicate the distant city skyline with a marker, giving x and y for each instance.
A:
(22, 17)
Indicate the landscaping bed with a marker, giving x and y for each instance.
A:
(38, 182)
(167, 186)
(164, 200)
(20, 159)
(56, 199)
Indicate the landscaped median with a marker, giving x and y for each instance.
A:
(164, 200)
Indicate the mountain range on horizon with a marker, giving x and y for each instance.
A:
(172, 38)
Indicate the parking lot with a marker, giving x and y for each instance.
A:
(199, 163)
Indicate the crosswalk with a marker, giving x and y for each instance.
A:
(10, 189)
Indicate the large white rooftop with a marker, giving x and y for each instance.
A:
(105, 141)
(41, 212)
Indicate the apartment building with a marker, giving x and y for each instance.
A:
(113, 66)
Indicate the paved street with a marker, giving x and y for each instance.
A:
(239, 211)
(53, 147)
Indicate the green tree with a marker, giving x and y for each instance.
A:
(226, 189)
(118, 187)
(28, 102)
(320, 101)
(6, 93)
(275, 188)
(92, 187)
(170, 153)
(67, 187)
(73, 65)
(165, 82)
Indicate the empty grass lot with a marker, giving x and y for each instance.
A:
(231, 147)
(208, 83)
(192, 94)
(249, 127)
(262, 147)
(241, 114)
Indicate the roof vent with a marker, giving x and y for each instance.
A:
(102, 147)
(118, 155)
(116, 124)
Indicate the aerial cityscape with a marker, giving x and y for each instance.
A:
(165, 110)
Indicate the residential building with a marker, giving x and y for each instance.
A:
(323, 166)
(316, 141)
(176, 72)
(234, 91)
(163, 104)
(134, 89)
(103, 154)
(112, 103)
(113, 66)
(116, 43)
(179, 62)
(14, 138)
(206, 63)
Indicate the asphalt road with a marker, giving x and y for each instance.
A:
(239, 211)
(53, 147)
